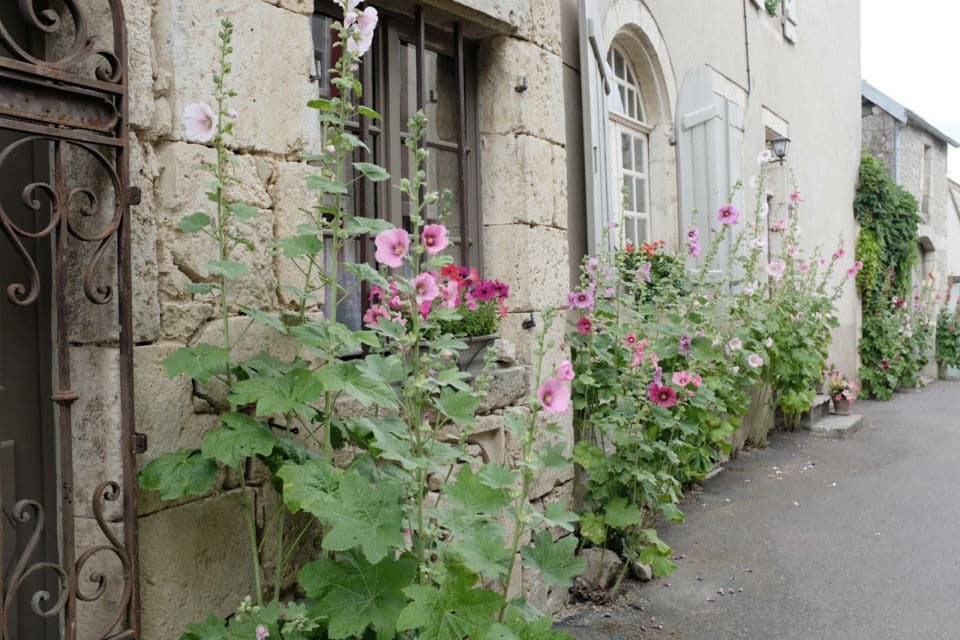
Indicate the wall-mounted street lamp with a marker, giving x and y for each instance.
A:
(780, 147)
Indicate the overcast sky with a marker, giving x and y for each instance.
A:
(910, 51)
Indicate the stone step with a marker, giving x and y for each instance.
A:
(818, 410)
(834, 426)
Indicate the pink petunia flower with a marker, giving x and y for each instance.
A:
(425, 286)
(361, 37)
(435, 238)
(728, 214)
(584, 326)
(776, 269)
(392, 247)
(662, 395)
(200, 121)
(565, 371)
(682, 378)
(554, 396)
(755, 360)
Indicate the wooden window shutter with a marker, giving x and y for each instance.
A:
(790, 20)
(759, 3)
(597, 89)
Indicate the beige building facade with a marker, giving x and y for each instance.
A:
(520, 146)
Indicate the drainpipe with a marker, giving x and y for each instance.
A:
(896, 152)
(746, 44)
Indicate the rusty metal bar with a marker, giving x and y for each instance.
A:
(58, 132)
(31, 98)
(63, 78)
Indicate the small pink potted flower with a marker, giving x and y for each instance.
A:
(843, 393)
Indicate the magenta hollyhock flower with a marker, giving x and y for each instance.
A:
(425, 286)
(554, 396)
(776, 269)
(584, 326)
(693, 234)
(435, 238)
(361, 38)
(755, 360)
(565, 371)
(682, 378)
(630, 339)
(392, 247)
(662, 395)
(684, 346)
(200, 121)
(582, 300)
(728, 214)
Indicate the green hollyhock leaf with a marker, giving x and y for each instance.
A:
(368, 112)
(227, 268)
(201, 362)
(459, 406)
(671, 512)
(321, 183)
(363, 226)
(483, 551)
(213, 628)
(539, 628)
(552, 455)
(355, 595)
(372, 172)
(364, 516)
(264, 318)
(619, 514)
(309, 485)
(554, 560)
(654, 539)
(202, 288)
(593, 528)
(240, 437)
(348, 377)
(194, 223)
(557, 515)
(497, 476)
(455, 610)
(243, 212)
(474, 496)
(291, 392)
(298, 246)
(186, 472)
(659, 563)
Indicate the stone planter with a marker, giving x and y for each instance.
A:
(841, 406)
(473, 357)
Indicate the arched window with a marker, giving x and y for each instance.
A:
(630, 134)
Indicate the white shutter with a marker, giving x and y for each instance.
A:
(597, 89)
(734, 169)
(701, 158)
(790, 20)
(759, 3)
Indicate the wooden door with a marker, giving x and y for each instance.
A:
(27, 458)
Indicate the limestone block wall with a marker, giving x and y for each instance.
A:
(192, 551)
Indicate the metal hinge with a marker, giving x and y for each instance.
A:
(139, 443)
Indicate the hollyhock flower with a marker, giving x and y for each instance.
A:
(200, 121)
(584, 326)
(565, 371)
(839, 253)
(693, 248)
(630, 339)
(609, 292)
(735, 344)
(693, 234)
(765, 156)
(435, 238)
(735, 370)
(554, 396)
(643, 273)
(758, 243)
(449, 295)
(793, 251)
(655, 360)
(662, 395)
(782, 225)
(684, 346)
(859, 265)
(697, 381)
(776, 268)
(638, 356)
(612, 225)
(425, 286)
(330, 149)
(822, 261)
(392, 247)
(803, 267)
(682, 378)
(754, 360)
(593, 265)
(768, 343)
(361, 38)
(750, 289)
(581, 300)
(375, 313)
(262, 633)
(851, 272)
(795, 197)
(728, 214)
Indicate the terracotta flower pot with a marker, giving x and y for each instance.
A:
(841, 406)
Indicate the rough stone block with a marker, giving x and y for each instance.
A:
(507, 386)
(504, 15)
(539, 110)
(548, 599)
(290, 196)
(139, 17)
(602, 567)
(271, 69)
(524, 181)
(526, 339)
(543, 25)
(194, 560)
(180, 321)
(532, 260)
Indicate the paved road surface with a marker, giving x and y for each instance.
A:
(853, 539)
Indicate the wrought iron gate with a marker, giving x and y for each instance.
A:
(72, 105)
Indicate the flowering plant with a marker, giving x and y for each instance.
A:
(842, 388)
(480, 303)
(948, 337)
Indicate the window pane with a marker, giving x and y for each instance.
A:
(618, 65)
(349, 307)
(641, 194)
(642, 234)
(631, 103)
(639, 150)
(629, 199)
(626, 155)
(324, 37)
(630, 231)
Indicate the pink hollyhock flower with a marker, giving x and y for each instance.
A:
(851, 272)
(584, 326)
(435, 238)
(593, 265)
(685, 343)
(768, 343)
(750, 289)
(330, 149)
(609, 292)
(662, 395)
(735, 344)
(776, 268)
(262, 633)
(693, 234)
(375, 313)
(612, 225)
(857, 265)
(565, 371)
(361, 38)
(839, 254)
(793, 251)
(638, 357)
(693, 247)
(200, 121)
(425, 286)
(554, 396)
(782, 225)
(392, 247)
(630, 339)
(581, 300)
(804, 267)
(643, 273)
(728, 214)
(682, 378)
(449, 295)
(697, 381)
(795, 197)
(755, 361)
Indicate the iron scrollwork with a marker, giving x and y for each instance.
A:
(89, 122)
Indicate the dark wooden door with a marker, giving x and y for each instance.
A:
(27, 458)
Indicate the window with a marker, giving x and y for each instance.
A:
(631, 139)
(412, 65)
